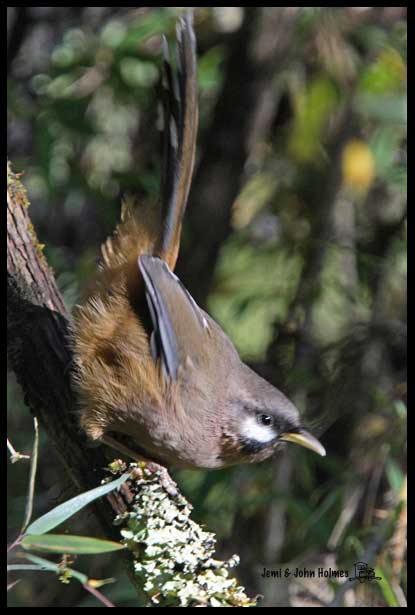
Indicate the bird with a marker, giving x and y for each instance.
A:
(151, 365)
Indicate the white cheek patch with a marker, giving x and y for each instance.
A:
(252, 430)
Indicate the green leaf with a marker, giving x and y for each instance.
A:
(313, 109)
(384, 146)
(395, 475)
(392, 108)
(13, 567)
(137, 73)
(387, 589)
(60, 513)
(400, 409)
(66, 543)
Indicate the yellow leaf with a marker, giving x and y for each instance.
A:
(358, 166)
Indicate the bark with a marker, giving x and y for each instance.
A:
(38, 329)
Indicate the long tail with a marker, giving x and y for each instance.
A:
(180, 113)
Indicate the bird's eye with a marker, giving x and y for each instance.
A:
(265, 419)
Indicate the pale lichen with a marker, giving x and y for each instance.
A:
(173, 555)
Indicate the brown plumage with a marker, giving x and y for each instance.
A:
(150, 363)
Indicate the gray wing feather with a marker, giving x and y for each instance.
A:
(179, 324)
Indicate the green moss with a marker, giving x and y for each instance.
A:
(19, 196)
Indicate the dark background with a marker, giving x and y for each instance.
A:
(294, 240)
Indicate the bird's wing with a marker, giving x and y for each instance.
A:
(180, 327)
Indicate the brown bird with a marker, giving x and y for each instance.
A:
(150, 363)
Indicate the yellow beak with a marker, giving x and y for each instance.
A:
(303, 438)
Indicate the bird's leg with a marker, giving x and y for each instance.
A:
(166, 480)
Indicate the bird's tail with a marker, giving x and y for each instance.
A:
(147, 229)
(180, 130)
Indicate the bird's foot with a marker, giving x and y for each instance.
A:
(166, 480)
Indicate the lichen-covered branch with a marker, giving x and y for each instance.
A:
(173, 557)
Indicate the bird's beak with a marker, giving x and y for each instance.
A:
(303, 438)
